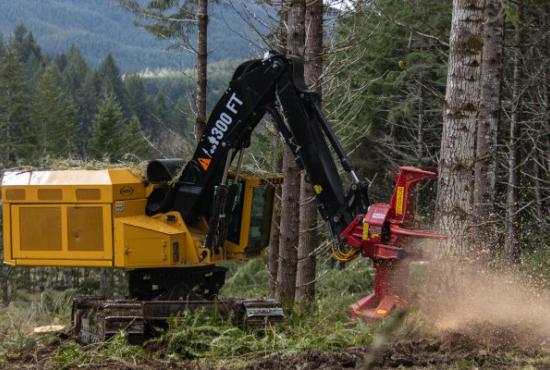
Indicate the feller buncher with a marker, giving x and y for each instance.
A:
(170, 230)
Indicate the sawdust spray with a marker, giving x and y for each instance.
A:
(462, 295)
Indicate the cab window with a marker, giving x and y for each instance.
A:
(260, 219)
(234, 230)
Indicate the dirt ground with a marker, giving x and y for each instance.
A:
(479, 346)
(488, 348)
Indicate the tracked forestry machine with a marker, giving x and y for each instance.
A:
(170, 230)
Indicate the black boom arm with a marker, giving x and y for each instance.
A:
(276, 86)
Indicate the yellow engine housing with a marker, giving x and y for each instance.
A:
(96, 218)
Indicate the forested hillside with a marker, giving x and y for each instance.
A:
(62, 107)
(99, 27)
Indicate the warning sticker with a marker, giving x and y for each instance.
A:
(399, 200)
(204, 162)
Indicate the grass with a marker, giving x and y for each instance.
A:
(18, 320)
(72, 354)
(324, 326)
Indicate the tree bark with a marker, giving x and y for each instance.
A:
(487, 128)
(202, 60)
(273, 262)
(305, 280)
(290, 206)
(456, 165)
(511, 247)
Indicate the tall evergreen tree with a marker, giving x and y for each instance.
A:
(82, 94)
(110, 81)
(106, 138)
(29, 53)
(75, 71)
(14, 107)
(53, 120)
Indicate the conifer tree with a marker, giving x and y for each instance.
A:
(53, 120)
(75, 71)
(14, 106)
(110, 81)
(29, 53)
(107, 130)
(82, 95)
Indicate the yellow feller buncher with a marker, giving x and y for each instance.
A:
(170, 229)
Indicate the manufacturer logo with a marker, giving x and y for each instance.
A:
(119, 207)
(126, 191)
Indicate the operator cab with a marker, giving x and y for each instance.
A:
(251, 215)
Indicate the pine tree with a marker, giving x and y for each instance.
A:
(82, 95)
(14, 108)
(110, 81)
(52, 119)
(107, 131)
(75, 71)
(29, 53)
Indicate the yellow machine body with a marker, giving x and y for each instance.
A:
(96, 218)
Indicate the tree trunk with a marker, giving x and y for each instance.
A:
(456, 165)
(305, 280)
(511, 247)
(489, 114)
(273, 263)
(202, 59)
(290, 206)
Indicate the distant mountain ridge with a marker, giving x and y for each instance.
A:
(99, 27)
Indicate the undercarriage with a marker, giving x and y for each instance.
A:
(156, 296)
